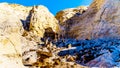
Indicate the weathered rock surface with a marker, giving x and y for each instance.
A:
(97, 29)
(65, 18)
(27, 36)
(10, 38)
(66, 14)
(100, 20)
(42, 19)
(37, 25)
(17, 44)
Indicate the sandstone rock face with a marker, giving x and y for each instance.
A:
(65, 18)
(100, 20)
(10, 42)
(42, 19)
(66, 14)
(38, 20)
(18, 45)
(21, 29)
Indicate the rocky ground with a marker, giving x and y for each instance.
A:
(48, 56)
(69, 53)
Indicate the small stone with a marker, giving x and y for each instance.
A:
(69, 46)
(56, 61)
(71, 59)
(47, 60)
(44, 54)
(37, 64)
(45, 49)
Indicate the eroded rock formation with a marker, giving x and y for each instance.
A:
(101, 19)
(20, 31)
(27, 34)
(66, 18)
(10, 38)
(42, 19)
(99, 22)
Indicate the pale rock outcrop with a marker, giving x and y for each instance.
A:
(17, 44)
(65, 18)
(66, 14)
(10, 38)
(36, 23)
(42, 19)
(101, 19)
